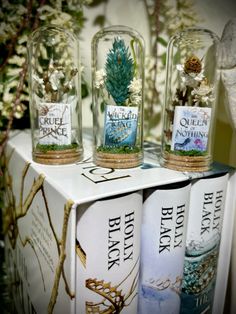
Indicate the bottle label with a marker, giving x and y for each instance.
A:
(120, 125)
(54, 123)
(191, 128)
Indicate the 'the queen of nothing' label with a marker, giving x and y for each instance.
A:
(54, 123)
(120, 125)
(191, 128)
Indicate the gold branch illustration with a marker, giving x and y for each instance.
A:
(13, 213)
(25, 170)
(111, 294)
(58, 242)
(81, 253)
(30, 197)
(62, 256)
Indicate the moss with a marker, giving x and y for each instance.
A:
(192, 152)
(44, 147)
(119, 149)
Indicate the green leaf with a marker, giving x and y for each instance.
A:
(99, 20)
(162, 41)
(102, 106)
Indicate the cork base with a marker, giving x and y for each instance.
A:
(58, 157)
(118, 161)
(186, 163)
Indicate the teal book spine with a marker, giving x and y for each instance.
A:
(205, 219)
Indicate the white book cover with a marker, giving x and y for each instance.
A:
(108, 254)
(163, 236)
(202, 245)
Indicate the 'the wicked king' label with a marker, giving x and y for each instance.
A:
(54, 124)
(191, 128)
(120, 125)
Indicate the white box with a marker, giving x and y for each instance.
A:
(40, 219)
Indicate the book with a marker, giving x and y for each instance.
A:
(206, 210)
(108, 254)
(163, 234)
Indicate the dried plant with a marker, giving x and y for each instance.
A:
(17, 21)
(165, 18)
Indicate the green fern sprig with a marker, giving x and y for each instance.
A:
(119, 69)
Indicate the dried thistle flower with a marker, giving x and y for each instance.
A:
(193, 65)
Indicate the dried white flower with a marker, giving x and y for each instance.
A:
(203, 93)
(100, 78)
(38, 79)
(189, 79)
(135, 86)
(202, 90)
(136, 99)
(55, 79)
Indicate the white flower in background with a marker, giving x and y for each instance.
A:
(100, 76)
(19, 111)
(189, 79)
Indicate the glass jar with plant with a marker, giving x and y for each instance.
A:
(117, 89)
(55, 96)
(190, 96)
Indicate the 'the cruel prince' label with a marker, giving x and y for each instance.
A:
(191, 128)
(54, 123)
(120, 125)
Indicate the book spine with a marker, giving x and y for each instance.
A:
(206, 209)
(108, 255)
(163, 236)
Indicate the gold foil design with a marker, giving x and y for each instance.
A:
(62, 256)
(113, 300)
(81, 254)
(163, 284)
(13, 212)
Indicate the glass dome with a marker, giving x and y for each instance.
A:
(190, 97)
(117, 88)
(55, 96)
